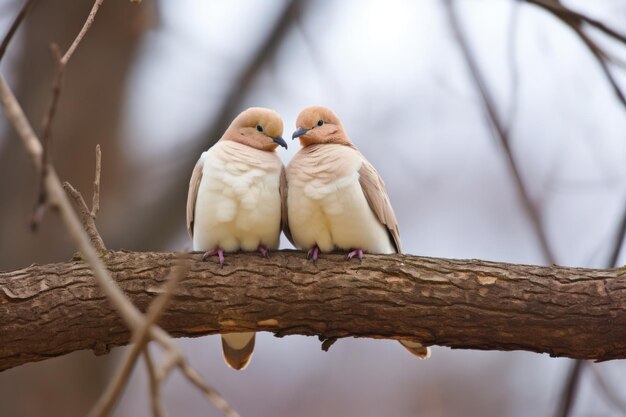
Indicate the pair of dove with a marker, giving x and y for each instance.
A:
(329, 197)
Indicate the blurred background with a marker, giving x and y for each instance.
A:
(157, 83)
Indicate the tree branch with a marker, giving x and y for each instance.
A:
(500, 129)
(55, 309)
(28, 4)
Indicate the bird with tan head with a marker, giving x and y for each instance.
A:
(335, 198)
(234, 201)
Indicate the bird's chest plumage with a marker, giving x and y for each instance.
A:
(238, 202)
(326, 204)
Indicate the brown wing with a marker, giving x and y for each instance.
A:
(284, 219)
(194, 184)
(374, 190)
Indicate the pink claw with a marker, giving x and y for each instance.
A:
(356, 252)
(265, 252)
(215, 251)
(313, 253)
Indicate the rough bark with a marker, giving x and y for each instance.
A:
(54, 309)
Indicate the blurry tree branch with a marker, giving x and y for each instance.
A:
(575, 21)
(501, 130)
(128, 313)
(28, 4)
(81, 228)
(139, 231)
(54, 309)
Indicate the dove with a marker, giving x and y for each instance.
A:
(335, 199)
(234, 201)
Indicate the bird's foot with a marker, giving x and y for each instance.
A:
(265, 252)
(213, 252)
(356, 253)
(313, 253)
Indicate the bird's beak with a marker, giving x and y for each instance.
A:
(299, 132)
(280, 141)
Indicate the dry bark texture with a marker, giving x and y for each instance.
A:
(55, 309)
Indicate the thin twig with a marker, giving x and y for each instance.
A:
(172, 361)
(95, 202)
(500, 130)
(602, 58)
(569, 391)
(502, 133)
(56, 92)
(42, 200)
(565, 13)
(16, 116)
(83, 31)
(61, 61)
(28, 4)
(140, 337)
(575, 20)
(129, 313)
(609, 393)
(512, 58)
(209, 392)
(86, 219)
(619, 241)
(155, 397)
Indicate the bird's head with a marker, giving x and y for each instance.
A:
(317, 124)
(257, 127)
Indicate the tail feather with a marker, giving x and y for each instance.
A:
(416, 348)
(238, 349)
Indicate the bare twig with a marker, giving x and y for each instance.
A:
(602, 58)
(512, 57)
(85, 218)
(575, 21)
(95, 202)
(172, 361)
(42, 200)
(500, 130)
(567, 14)
(28, 4)
(56, 92)
(143, 327)
(608, 391)
(209, 392)
(569, 391)
(16, 116)
(129, 313)
(155, 398)
(619, 241)
(83, 31)
(88, 218)
(140, 338)
(502, 133)
(61, 61)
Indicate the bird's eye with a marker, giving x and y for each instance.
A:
(259, 128)
(320, 122)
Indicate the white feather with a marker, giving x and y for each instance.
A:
(238, 202)
(327, 206)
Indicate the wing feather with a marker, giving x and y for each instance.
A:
(284, 218)
(194, 185)
(374, 190)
